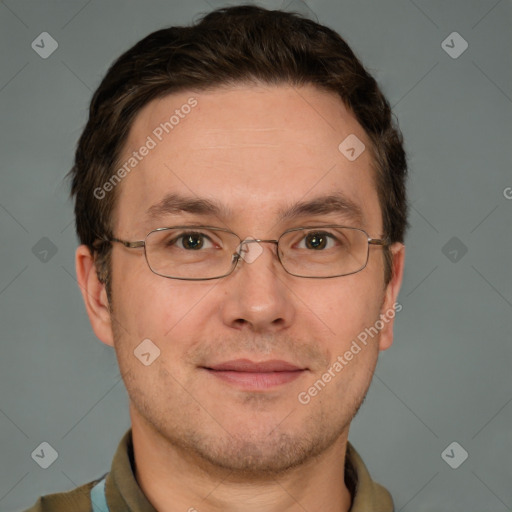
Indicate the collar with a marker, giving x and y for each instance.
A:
(123, 492)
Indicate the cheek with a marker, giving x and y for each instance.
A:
(168, 312)
(352, 308)
(346, 306)
(158, 310)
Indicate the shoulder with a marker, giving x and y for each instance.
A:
(77, 500)
(366, 493)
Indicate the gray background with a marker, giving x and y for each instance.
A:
(447, 378)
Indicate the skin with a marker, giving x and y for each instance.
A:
(199, 441)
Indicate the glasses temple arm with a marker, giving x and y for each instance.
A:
(130, 245)
(379, 241)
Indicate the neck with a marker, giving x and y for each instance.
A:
(174, 480)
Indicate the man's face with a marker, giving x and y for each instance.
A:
(255, 151)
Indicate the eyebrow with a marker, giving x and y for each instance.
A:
(176, 203)
(336, 203)
(333, 203)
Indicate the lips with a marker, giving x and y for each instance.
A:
(244, 365)
(251, 376)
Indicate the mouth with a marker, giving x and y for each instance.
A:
(252, 376)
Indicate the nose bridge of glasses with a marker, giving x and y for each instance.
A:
(250, 253)
(250, 240)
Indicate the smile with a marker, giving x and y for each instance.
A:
(252, 376)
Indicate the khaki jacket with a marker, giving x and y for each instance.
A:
(123, 493)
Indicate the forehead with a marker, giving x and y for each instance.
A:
(253, 151)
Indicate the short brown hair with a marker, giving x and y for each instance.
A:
(230, 46)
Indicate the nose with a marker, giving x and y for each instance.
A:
(257, 294)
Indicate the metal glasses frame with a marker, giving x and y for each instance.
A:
(237, 255)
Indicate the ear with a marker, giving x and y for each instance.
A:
(94, 294)
(390, 306)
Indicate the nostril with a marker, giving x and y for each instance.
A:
(240, 322)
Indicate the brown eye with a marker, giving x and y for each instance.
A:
(192, 241)
(317, 241)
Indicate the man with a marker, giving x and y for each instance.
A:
(240, 199)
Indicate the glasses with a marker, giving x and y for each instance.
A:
(198, 253)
